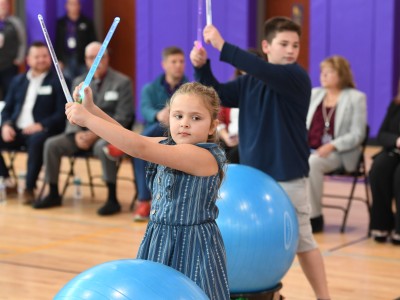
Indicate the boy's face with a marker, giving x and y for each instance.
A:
(284, 48)
(189, 120)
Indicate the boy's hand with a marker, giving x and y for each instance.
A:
(77, 114)
(213, 37)
(198, 56)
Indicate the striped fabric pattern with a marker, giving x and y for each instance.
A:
(182, 232)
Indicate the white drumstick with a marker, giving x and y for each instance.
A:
(55, 60)
(208, 12)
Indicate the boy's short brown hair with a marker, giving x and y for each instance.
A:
(279, 24)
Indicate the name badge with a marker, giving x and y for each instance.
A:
(326, 138)
(45, 90)
(111, 96)
(71, 43)
(82, 26)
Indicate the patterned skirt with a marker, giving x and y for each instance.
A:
(197, 251)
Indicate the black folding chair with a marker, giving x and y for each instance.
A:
(359, 175)
(91, 182)
(12, 155)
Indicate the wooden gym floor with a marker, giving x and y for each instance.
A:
(41, 250)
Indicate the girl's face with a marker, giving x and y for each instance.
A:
(329, 77)
(189, 120)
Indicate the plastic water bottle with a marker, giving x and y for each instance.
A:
(3, 193)
(77, 188)
(21, 182)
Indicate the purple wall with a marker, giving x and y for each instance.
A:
(162, 23)
(366, 32)
(50, 10)
(47, 9)
(363, 31)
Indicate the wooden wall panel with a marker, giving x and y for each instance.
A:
(122, 44)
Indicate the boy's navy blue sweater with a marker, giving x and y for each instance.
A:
(273, 101)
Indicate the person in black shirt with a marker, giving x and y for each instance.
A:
(74, 32)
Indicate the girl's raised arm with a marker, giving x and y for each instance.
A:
(188, 158)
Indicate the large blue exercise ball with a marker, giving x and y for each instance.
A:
(128, 279)
(259, 228)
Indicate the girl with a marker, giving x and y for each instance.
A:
(184, 175)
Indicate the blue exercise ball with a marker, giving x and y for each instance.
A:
(259, 228)
(128, 279)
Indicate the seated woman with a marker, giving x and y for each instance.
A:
(384, 178)
(337, 120)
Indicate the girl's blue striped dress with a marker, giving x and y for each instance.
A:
(182, 232)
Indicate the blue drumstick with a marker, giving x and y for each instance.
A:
(55, 61)
(96, 62)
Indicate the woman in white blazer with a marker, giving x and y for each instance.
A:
(336, 120)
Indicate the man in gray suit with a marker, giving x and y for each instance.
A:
(113, 94)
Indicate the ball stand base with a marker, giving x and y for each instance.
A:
(271, 294)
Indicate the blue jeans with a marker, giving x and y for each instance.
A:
(139, 165)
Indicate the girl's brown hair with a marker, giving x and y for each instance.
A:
(210, 99)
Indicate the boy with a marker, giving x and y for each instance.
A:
(273, 99)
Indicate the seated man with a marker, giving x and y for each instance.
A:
(152, 103)
(34, 111)
(112, 92)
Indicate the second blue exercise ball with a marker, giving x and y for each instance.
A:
(259, 227)
(129, 279)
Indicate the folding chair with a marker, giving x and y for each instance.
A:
(71, 173)
(359, 174)
(12, 155)
(87, 156)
